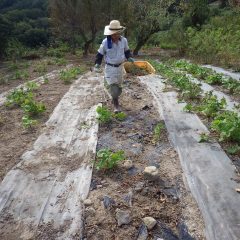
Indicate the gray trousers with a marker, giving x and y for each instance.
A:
(114, 89)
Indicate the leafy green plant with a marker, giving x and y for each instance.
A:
(33, 108)
(45, 80)
(157, 131)
(18, 96)
(40, 68)
(233, 149)
(60, 61)
(121, 116)
(204, 137)
(216, 78)
(28, 122)
(227, 125)
(31, 86)
(210, 106)
(106, 159)
(104, 115)
(68, 75)
(188, 108)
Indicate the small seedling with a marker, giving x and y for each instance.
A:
(32, 86)
(68, 75)
(84, 125)
(204, 137)
(45, 80)
(157, 131)
(33, 108)
(28, 122)
(121, 116)
(104, 115)
(106, 159)
(233, 149)
(188, 108)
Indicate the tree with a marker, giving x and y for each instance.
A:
(149, 17)
(77, 17)
(5, 32)
(196, 12)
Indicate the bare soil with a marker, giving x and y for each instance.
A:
(166, 198)
(15, 140)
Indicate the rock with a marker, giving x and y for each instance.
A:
(108, 202)
(139, 187)
(151, 173)
(90, 211)
(87, 202)
(142, 233)
(128, 164)
(149, 222)
(123, 217)
(99, 186)
(128, 198)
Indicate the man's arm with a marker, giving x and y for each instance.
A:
(99, 58)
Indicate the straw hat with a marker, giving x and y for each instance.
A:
(113, 27)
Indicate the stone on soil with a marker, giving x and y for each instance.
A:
(142, 233)
(123, 217)
(90, 211)
(128, 164)
(149, 222)
(87, 202)
(139, 187)
(151, 172)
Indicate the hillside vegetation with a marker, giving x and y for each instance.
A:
(206, 30)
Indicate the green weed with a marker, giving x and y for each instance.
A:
(157, 131)
(40, 68)
(68, 75)
(33, 108)
(204, 137)
(227, 125)
(233, 149)
(121, 116)
(106, 159)
(17, 97)
(104, 115)
(31, 86)
(28, 122)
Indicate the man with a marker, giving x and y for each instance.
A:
(115, 50)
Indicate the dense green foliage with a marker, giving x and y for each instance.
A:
(213, 38)
(205, 30)
(23, 21)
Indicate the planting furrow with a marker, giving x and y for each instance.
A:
(230, 104)
(39, 80)
(208, 170)
(225, 72)
(42, 195)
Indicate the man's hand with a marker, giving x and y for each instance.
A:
(97, 68)
(131, 60)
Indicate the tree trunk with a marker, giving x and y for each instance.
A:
(87, 46)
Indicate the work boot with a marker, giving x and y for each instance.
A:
(116, 105)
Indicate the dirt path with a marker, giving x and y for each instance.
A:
(127, 190)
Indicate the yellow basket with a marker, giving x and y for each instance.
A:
(141, 64)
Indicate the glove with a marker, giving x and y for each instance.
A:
(97, 68)
(131, 60)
